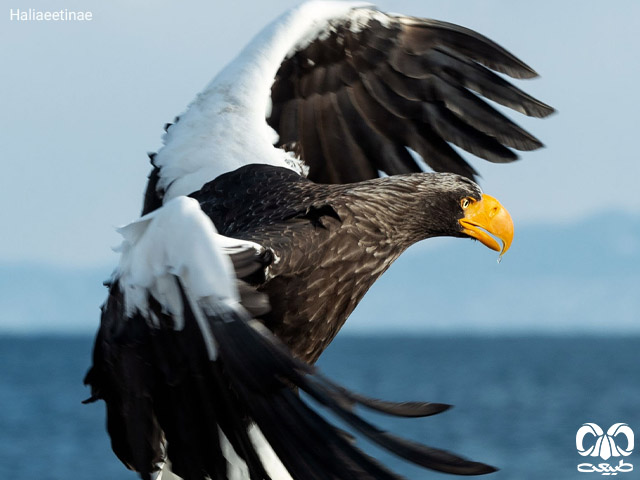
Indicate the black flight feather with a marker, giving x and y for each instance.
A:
(353, 99)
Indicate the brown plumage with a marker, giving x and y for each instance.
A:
(331, 242)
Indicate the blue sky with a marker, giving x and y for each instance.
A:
(83, 103)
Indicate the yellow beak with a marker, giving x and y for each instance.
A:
(487, 215)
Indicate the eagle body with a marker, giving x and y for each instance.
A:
(282, 193)
(331, 242)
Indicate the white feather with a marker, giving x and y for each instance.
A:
(177, 240)
(225, 127)
(236, 467)
(268, 457)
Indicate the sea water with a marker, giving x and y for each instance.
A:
(519, 401)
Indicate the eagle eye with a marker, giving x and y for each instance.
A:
(465, 202)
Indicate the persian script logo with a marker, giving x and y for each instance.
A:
(605, 446)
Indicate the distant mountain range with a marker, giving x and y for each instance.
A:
(575, 278)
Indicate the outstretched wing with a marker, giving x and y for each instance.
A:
(371, 85)
(351, 91)
(191, 380)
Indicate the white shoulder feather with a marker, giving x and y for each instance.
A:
(225, 127)
(176, 240)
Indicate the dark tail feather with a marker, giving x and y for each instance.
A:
(263, 370)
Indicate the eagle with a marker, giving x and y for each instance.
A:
(290, 184)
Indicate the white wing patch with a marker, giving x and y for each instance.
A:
(177, 240)
(225, 127)
(271, 462)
